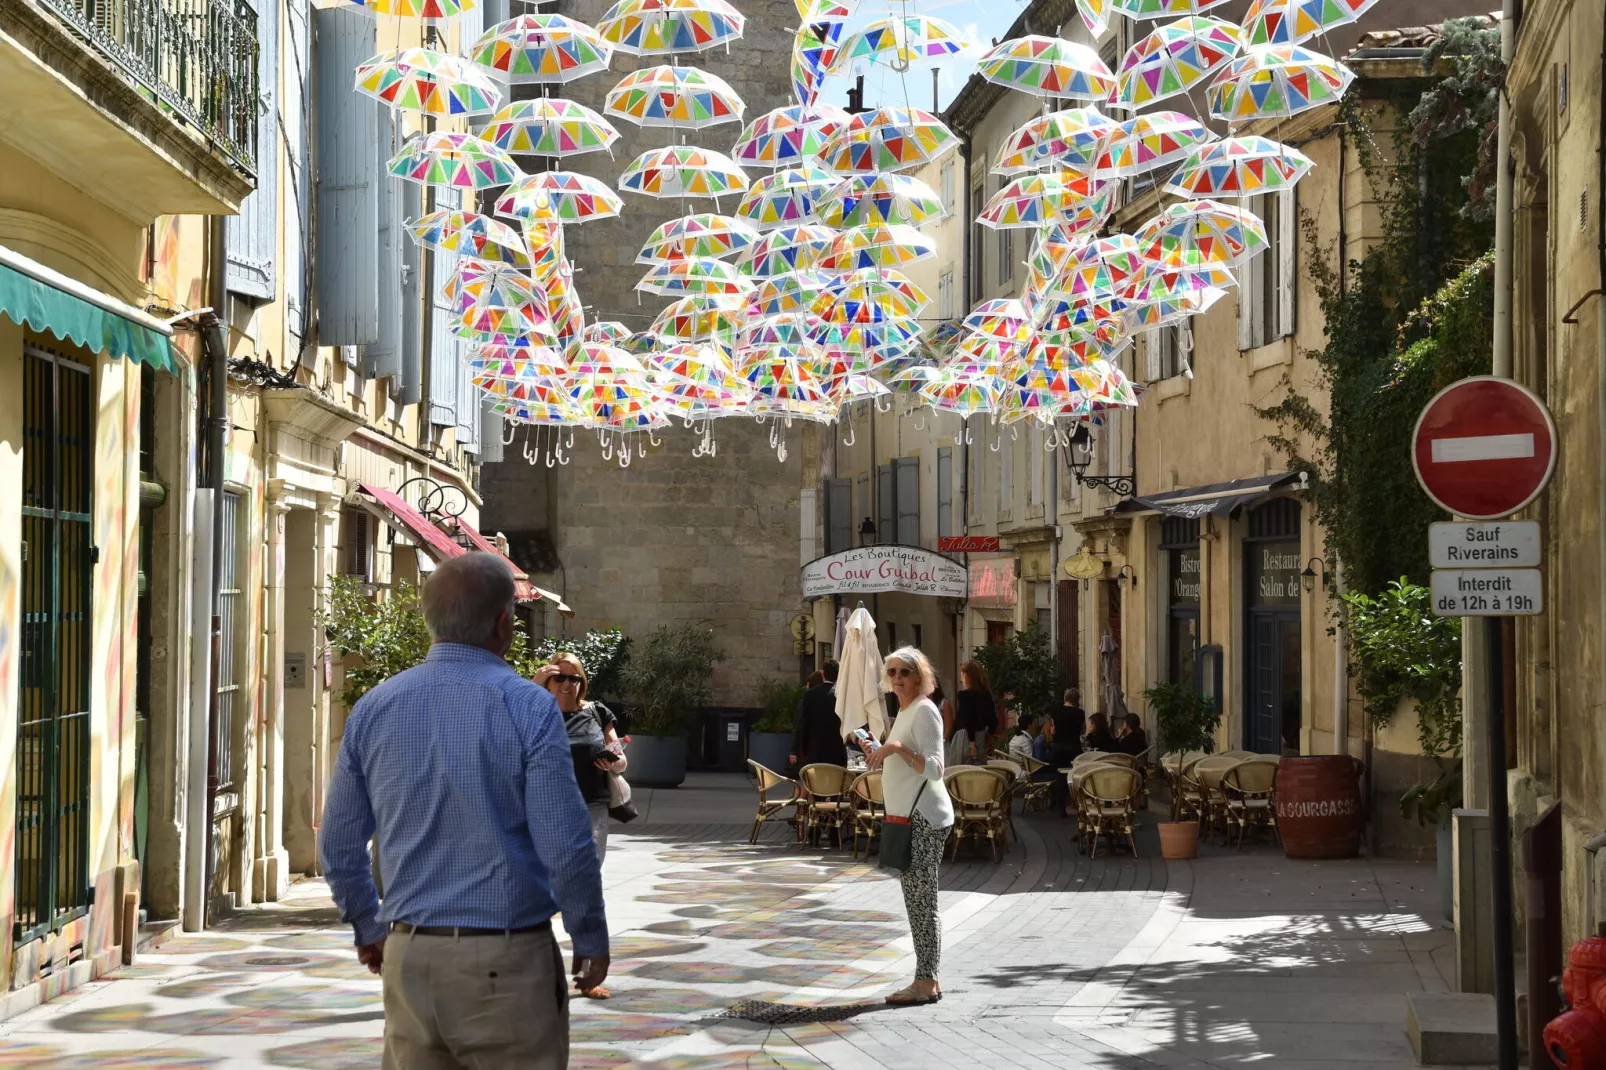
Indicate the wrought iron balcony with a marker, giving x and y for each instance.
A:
(197, 60)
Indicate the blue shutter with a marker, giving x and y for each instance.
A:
(443, 343)
(886, 529)
(839, 522)
(295, 98)
(492, 430)
(250, 238)
(409, 384)
(382, 360)
(945, 491)
(348, 195)
(906, 480)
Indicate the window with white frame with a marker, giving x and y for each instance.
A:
(1163, 355)
(1267, 283)
(945, 295)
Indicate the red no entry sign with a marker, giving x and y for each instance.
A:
(1484, 447)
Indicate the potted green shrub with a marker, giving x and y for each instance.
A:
(667, 678)
(769, 739)
(1186, 719)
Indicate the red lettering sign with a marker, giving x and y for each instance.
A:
(967, 544)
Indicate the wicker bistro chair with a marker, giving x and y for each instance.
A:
(1110, 793)
(981, 805)
(1248, 792)
(1012, 771)
(1079, 801)
(828, 802)
(1034, 794)
(869, 807)
(1187, 797)
(1208, 773)
(770, 809)
(1174, 766)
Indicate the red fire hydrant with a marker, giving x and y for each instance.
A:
(1577, 1039)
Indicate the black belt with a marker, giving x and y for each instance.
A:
(464, 930)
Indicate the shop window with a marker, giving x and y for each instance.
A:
(1179, 542)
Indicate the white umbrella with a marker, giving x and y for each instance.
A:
(838, 635)
(1114, 701)
(859, 702)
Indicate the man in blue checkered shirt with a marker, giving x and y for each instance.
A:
(459, 770)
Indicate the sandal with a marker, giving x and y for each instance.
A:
(907, 997)
(595, 993)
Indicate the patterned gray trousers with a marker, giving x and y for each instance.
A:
(920, 895)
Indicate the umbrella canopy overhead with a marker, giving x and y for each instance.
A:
(542, 48)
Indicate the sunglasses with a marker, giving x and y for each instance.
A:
(899, 672)
(564, 678)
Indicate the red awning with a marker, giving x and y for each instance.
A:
(441, 546)
(521, 583)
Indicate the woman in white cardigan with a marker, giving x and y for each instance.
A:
(911, 781)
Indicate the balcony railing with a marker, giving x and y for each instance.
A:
(197, 59)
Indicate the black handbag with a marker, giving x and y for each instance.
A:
(897, 836)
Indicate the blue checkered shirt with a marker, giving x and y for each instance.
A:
(459, 769)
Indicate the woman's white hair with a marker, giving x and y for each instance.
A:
(916, 660)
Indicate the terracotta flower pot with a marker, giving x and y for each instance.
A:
(1179, 839)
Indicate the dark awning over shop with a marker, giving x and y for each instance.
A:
(1215, 499)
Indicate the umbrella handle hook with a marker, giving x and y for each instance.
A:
(850, 439)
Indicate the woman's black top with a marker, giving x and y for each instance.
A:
(587, 743)
(1134, 743)
(974, 711)
(1101, 740)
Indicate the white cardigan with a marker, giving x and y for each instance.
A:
(918, 727)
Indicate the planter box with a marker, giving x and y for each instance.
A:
(657, 761)
(770, 749)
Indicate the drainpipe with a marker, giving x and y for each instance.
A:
(965, 216)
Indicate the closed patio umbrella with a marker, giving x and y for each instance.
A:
(859, 702)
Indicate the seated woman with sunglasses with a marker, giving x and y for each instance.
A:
(911, 782)
(593, 745)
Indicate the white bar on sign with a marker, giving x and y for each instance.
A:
(1483, 448)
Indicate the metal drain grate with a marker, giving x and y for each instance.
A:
(767, 1013)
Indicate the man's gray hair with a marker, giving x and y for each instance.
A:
(464, 596)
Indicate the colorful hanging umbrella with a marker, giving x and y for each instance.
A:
(682, 97)
(571, 197)
(1002, 318)
(607, 332)
(691, 236)
(863, 200)
(1174, 285)
(1095, 16)
(887, 139)
(700, 275)
(424, 80)
(549, 127)
(1161, 311)
(791, 292)
(1199, 235)
(698, 317)
(1048, 67)
(533, 362)
(429, 10)
(1151, 141)
(459, 161)
(471, 234)
(1175, 58)
(869, 295)
(658, 27)
(500, 305)
(784, 250)
(785, 197)
(1101, 268)
(542, 48)
(1160, 9)
(814, 51)
(1072, 139)
(1054, 198)
(886, 246)
(683, 171)
(811, 11)
(1269, 81)
(900, 41)
(1239, 167)
(790, 135)
(963, 393)
(1288, 22)
(697, 379)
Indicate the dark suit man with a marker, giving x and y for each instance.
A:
(817, 732)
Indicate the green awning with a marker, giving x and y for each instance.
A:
(51, 303)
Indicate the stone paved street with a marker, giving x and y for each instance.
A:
(1050, 960)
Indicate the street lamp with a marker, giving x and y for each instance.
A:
(1308, 576)
(1080, 456)
(866, 530)
(1127, 573)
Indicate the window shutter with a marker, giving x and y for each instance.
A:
(906, 472)
(382, 360)
(1151, 356)
(886, 528)
(295, 95)
(348, 195)
(250, 238)
(468, 407)
(443, 342)
(357, 543)
(866, 509)
(838, 515)
(1247, 280)
(1006, 473)
(492, 430)
(945, 491)
(1287, 257)
(1034, 442)
(408, 387)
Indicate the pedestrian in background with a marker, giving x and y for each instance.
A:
(1024, 740)
(817, 731)
(911, 782)
(459, 770)
(975, 711)
(1098, 733)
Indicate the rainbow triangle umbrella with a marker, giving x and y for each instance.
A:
(424, 80)
(459, 161)
(1003, 318)
(1271, 81)
(1174, 58)
(1100, 268)
(1071, 139)
(784, 250)
(1239, 167)
(526, 390)
(658, 27)
(963, 393)
(698, 317)
(1199, 235)
(865, 200)
(700, 275)
(705, 234)
(885, 246)
(870, 295)
(793, 329)
(515, 362)
(471, 234)
(900, 41)
(683, 97)
(1288, 22)
(785, 197)
(1161, 311)
(1172, 285)
(1105, 383)
(568, 195)
(542, 48)
(814, 51)
(792, 292)
(609, 332)
(787, 136)
(600, 357)
(1048, 67)
(887, 139)
(683, 171)
(1160, 9)
(853, 346)
(1095, 16)
(466, 272)
(811, 11)
(549, 127)
(851, 388)
(429, 10)
(1157, 139)
(1053, 198)
(501, 307)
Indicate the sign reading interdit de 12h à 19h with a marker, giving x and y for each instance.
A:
(874, 569)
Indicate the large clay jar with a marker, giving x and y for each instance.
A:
(1319, 811)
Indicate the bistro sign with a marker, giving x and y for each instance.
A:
(873, 569)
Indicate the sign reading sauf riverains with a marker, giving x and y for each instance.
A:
(874, 569)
